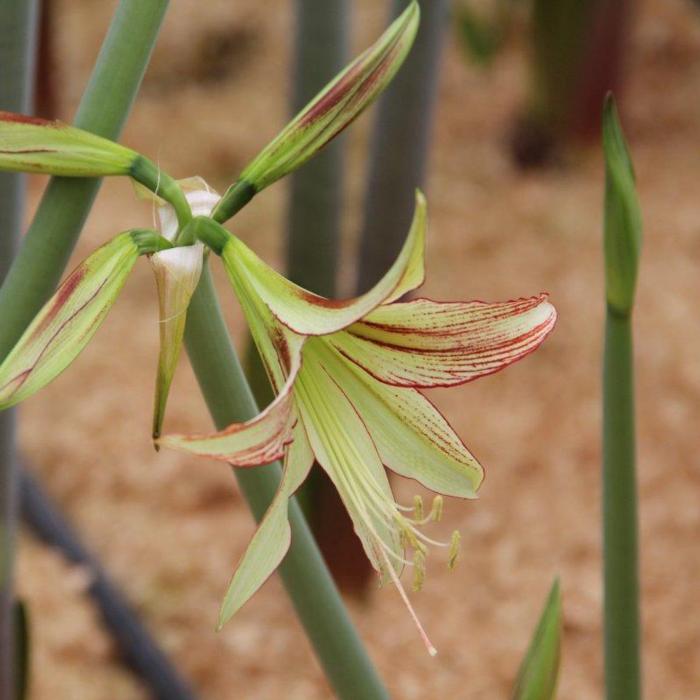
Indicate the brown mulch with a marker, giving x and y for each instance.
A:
(170, 528)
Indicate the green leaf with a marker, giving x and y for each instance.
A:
(537, 678)
(21, 655)
(331, 111)
(32, 145)
(623, 219)
(67, 322)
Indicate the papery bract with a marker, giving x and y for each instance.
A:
(177, 271)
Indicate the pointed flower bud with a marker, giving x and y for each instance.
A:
(35, 145)
(623, 220)
(67, 322)
(333, 109)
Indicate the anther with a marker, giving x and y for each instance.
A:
(436, 509)
(454, 549)
(418, 570)
(418, 507)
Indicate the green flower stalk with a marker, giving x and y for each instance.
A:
(346, 375)
(329, 113)
(622, 242)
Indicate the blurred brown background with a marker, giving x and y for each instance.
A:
(170, 528)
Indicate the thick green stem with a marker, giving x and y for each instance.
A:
(316, 188)
(303, 572)
(400, 145)
(64, 207)
(234, 199)
(622, 645)
(18, 21)
(315, 204)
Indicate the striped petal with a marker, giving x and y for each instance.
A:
(412, 437)
(273, 536)
(258, 441)
(67, 321)
(344, 448)
(424, 343)
(309, 314)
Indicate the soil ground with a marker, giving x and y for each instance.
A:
(169, 529)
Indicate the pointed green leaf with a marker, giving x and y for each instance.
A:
(34, 145)
(331, 111)
(623, 219)
(537, 678)
(67, 322)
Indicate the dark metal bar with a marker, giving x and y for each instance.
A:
(137, 647)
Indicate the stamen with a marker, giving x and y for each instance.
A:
(418, 507)
(454, 550)
(436, 509)
(428, 644)
(418, 570)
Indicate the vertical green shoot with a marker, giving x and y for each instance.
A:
(400, 145)
(538, 674)
(622, 241)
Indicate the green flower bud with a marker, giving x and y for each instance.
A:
(623, 220)
(333, 109)
(32, 145)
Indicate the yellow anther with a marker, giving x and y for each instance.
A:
(418, 570)
(418, 507)
(454, 549)
(436, 509)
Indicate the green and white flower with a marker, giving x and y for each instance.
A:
(347, 376)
